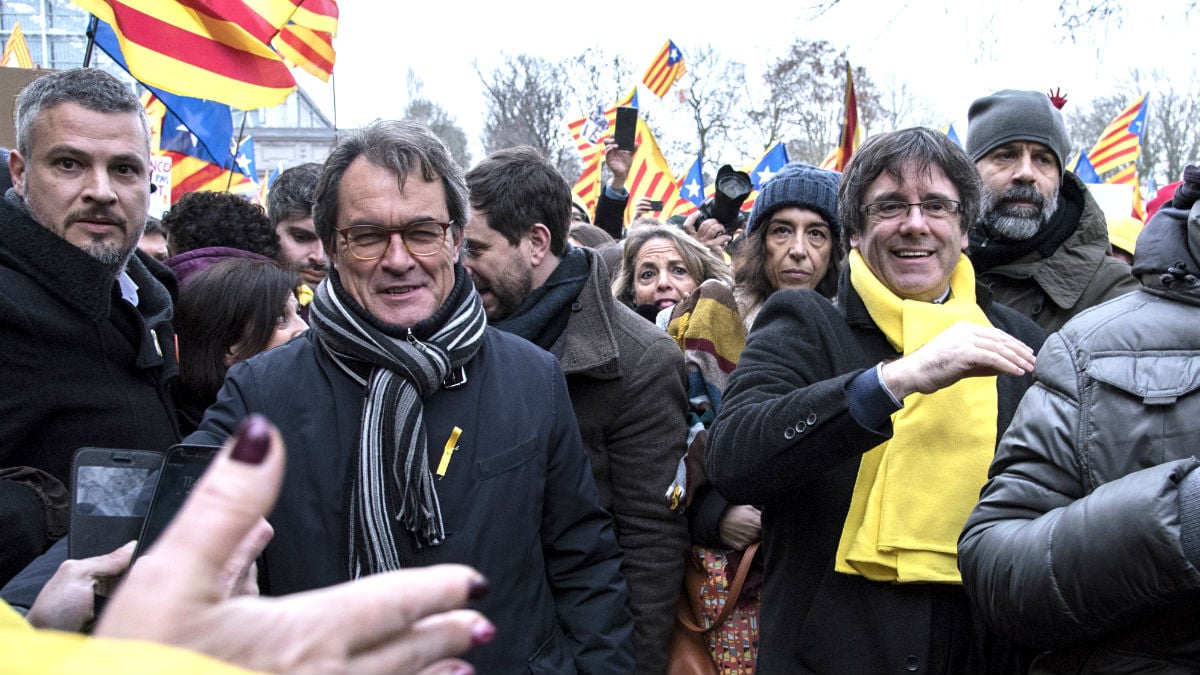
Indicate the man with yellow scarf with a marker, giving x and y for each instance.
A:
(865, 428)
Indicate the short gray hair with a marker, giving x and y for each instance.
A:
(91, 88)
(402, 146)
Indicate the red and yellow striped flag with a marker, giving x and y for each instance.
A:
(319, 15)
(307, 49)
(591, 148)
(189, 174)
(16, 50)
(178, 46)
(650, 177)
(666, 68)
(851, 134)
(1121, 141)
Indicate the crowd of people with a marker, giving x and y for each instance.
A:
(916, 416)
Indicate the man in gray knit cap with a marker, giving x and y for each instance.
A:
(1042, 242)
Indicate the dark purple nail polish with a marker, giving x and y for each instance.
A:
(482, 632)
(253, 440)
(478, 588)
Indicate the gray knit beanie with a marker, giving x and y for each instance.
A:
(1012, 115)
(802, 185)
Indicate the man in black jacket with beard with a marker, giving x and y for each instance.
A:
(86, 344)
(1041, 243)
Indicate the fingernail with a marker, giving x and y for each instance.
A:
(464, 669)
(478, 588)
(253, 440)
(482, 632)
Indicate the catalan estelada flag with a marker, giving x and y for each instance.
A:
(774, 159)
(666, 68)
(180, 46)
(1114, 157)
(16, 51)
(952, 135)
(1121, 142)
(307, 49)
(190, 173)
(1082, 167)
(264, 188)
(760, 171)
(692, 187)
(851, 133)
(650, 176)
(589, 133)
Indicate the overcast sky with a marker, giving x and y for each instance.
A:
(948, 52)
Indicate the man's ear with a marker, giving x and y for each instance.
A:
(16, 169)
(456, 237)
(539, 243)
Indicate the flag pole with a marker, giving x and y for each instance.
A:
(91, 42)
(234, 149)
(333, 90)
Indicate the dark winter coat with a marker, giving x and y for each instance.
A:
(628, 387)
(518, 499)
(785, 439)
(79, 365)
(1077, 544)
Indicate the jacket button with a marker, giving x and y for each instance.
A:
(789, 433)
(800, 427)
(576, 306)
(912, 663)
(812, 418)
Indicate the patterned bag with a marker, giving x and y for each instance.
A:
(721, 611)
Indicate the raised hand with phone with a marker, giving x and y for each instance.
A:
(398, 622)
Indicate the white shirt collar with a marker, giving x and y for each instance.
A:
(129, 288)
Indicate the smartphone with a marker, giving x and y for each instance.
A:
(656, 205)
(110, 495)
(626, 129)
(181, 470)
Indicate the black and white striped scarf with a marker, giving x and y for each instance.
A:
(405, 365)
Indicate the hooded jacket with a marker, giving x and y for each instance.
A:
(1085, 540)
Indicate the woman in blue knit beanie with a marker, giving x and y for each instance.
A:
(792, 240)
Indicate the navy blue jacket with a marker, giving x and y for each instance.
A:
(518, 498)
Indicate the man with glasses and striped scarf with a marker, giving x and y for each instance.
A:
(422, 436)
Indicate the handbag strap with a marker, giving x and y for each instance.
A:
(731, 598)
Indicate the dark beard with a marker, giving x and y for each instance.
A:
(1005, 221)
(510, 292)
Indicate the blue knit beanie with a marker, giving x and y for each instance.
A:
(1012, 115)
(804, 186)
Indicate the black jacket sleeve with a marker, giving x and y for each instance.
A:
(610, 214)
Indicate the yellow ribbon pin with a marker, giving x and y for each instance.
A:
(448, 451)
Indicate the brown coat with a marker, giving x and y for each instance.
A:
(627, 384)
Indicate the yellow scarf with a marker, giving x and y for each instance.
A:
(304, 294)
(914, 492)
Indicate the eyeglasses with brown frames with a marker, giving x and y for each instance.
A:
(370, 242)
